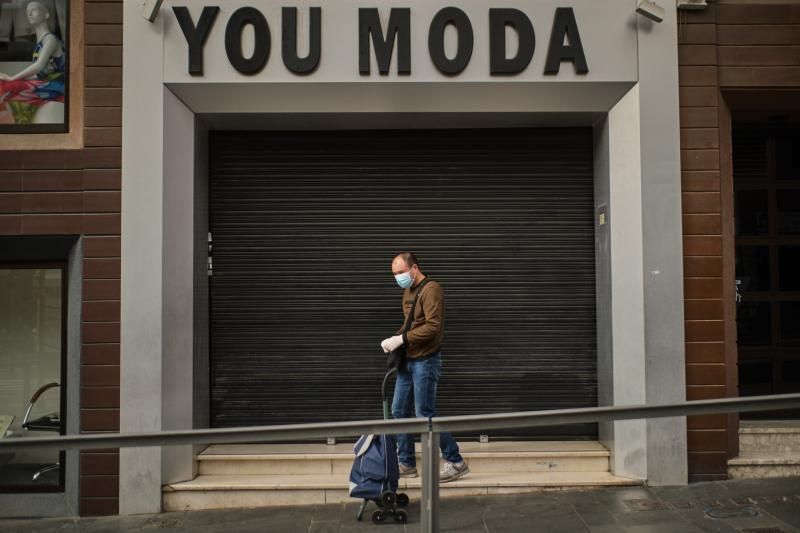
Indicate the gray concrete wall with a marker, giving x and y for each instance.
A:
(178, 384)
(662, 240)
(620, 311)
(141, 306)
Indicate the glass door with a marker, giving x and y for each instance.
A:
(32, 367)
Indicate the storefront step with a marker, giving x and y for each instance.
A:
(311, 459)
(764, 465)
(218, 491)
(777, 437)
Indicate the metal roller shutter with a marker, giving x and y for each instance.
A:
(305, 225)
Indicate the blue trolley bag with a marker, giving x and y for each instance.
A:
(375, 467)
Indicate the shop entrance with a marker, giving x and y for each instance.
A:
(304, 227)
(766, 172)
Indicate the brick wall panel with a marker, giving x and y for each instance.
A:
(10, 224)
(702, 267)
(697, 34)
(758, 35)
(699, 97)
(103, 97)
(708, 440)
(706, 422)
(697, 54)
(103, 12)
(700, 159)
(10, 181)
(101, 311)
(748, 77)
(703, 310)
(100, 332)
(103, 34)
(45, 180)
(705, 374)
(71, 224)
(102, 179)
(700, 181)
(704, 331)
(700, 288)
(100, 397)
(98, 464)
(100, 289)
(101, 247)
(99, 376)
(701, 202)
(697, 245)
(103, 117)
(710, 224)
(705, 352)
(699, 138)
(759, 55)
(103, 136)
(758, 14)
(99, 419)
(100, 354)
(102, 202)
(699, 116)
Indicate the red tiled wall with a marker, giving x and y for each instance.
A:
(78, 192)
(727, 46)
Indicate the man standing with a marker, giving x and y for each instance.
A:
(417, 379)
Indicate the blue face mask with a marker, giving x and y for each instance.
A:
(404, 280)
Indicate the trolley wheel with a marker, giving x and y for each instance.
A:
(378, 517)
(388, 498)
(402, 500)
(400, 516)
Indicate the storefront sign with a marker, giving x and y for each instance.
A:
(564, 44)
(257, 41)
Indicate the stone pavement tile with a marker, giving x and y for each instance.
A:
(595, 515)
(655, 521)
(762, 487)
(608, 528)
(699, 519)
(665, 527)
(787, 512)
(570, 523)
(325, 526)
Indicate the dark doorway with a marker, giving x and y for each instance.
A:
(766, 172)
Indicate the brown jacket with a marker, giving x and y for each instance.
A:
(427, 329)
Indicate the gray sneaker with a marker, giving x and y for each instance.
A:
(408, 471)
(452, 471)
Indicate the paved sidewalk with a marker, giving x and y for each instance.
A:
(751, 506)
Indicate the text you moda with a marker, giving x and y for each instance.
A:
(565, 42)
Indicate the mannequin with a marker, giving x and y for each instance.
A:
(36, 93)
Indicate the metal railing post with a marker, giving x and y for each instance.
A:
(429, 505)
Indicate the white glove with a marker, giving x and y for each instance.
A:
(392, 343)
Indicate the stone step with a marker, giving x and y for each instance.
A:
(769, 436)
(764, 465)
(219, 491)
(499, 457)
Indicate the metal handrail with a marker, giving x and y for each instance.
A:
(407, 425)
(429, 429)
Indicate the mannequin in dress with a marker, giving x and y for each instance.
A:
(36, 93)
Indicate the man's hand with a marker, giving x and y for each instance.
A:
(392, 343)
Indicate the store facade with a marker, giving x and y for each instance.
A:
(308, 151)
(567, 171)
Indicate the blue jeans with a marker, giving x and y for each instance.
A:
(416, 384)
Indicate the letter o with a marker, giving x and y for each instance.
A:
(233, 40)
(459, 19)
